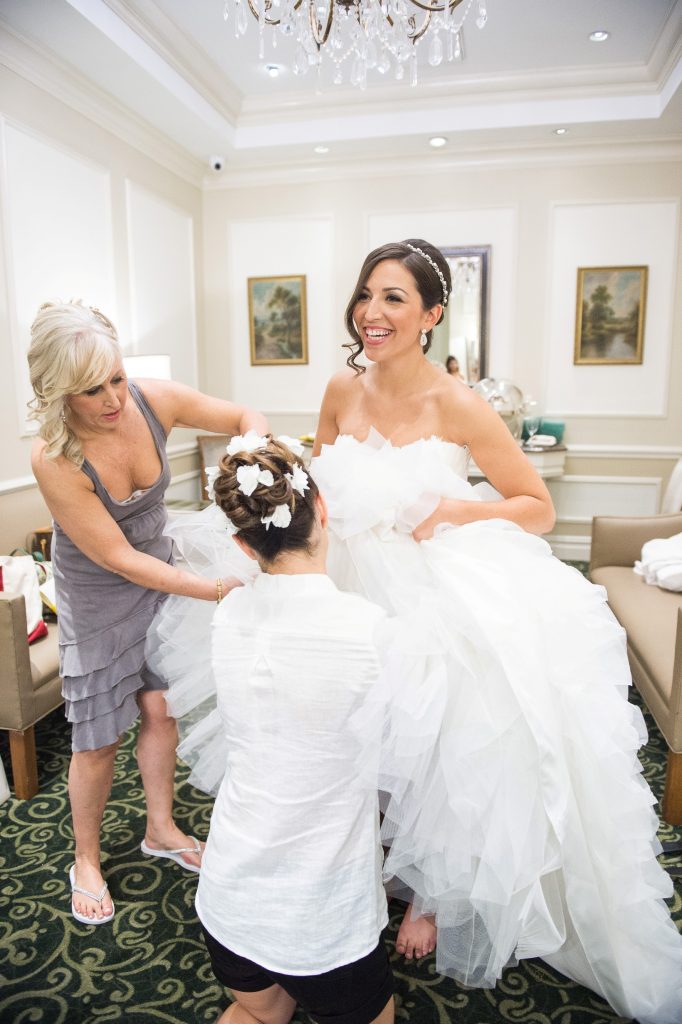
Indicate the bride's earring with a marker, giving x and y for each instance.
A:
(424, 339)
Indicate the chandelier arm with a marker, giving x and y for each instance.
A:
(434, 8)
(418, 33)
(320, 40)
(268, 4)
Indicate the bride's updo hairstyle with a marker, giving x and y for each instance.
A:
(246, 512)
(73, 348)
(434, 288)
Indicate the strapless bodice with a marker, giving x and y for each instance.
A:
(374, 483)
(454, 456)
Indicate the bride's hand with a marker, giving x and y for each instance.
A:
(449, 511)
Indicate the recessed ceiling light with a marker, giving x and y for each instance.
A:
(560, 131)
(321, 149)
(438, 141)
(600, 36)
(273, 70)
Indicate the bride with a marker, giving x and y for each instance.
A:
(518, 822)
(516, 818)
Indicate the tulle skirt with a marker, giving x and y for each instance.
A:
(515, 811)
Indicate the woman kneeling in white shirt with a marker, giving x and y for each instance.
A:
(290, 895)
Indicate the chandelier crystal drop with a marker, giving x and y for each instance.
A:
(359, 36)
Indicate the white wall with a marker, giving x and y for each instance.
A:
(171, 264)
(542, 220)
(611, 235)
(272, 247)
(84, 215)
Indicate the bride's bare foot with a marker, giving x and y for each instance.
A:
(416, 937)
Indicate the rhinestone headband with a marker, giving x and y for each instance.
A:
(429, 259)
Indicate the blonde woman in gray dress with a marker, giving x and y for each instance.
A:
(101, 465)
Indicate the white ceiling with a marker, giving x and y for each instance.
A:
(174, 70)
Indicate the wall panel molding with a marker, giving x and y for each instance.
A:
(57, 202)
(28, 482)
(570, 548)
(161, 262)
(626, 232)
(624, 451)
(577, 498)
(27, 59)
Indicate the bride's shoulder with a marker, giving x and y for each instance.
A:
(459, 408)
(342, 382)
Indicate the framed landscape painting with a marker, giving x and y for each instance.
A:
(609, 321)
(277, 320)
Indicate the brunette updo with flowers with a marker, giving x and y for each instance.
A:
(265, 491)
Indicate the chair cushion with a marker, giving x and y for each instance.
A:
(649, 617)
(44, 655)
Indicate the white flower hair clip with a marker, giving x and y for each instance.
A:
(248, 478)
(212, 473)
(280, 517)
(298, 479)
(248, 442)
(292, 443)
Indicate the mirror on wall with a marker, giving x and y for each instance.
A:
(463, 333)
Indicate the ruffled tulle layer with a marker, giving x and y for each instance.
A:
(514, 807)
(516, 812)
(178, 644)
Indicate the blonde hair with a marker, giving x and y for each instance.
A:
(73, 348)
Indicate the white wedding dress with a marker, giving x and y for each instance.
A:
(515, 809)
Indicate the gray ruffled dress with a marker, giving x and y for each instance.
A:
(103, 618)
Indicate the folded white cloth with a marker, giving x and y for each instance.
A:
(661, 563)
(542, 441)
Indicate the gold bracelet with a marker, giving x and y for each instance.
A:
(219, 585)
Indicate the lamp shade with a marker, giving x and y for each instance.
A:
(156, 367)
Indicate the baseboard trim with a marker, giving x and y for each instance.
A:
(570, 548)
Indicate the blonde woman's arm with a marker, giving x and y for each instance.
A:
(81, 515)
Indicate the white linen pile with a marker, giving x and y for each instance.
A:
(661, 563)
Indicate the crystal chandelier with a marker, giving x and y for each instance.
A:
(362, 35)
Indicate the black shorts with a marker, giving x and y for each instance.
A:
(353, 994)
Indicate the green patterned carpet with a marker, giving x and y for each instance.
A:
(150, 965)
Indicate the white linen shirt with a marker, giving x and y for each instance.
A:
(291, 875)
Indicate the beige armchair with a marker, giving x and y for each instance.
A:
(30, 687)
(652, 619)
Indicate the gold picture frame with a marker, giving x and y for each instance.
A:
(277, 320)
(609, 318)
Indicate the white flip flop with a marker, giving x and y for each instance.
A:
(175, 855)
(97, 897)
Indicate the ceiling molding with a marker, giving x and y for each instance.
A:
(451, 88)
(667, 51)
(453, 115)
(32, 62)
(162, 34)
(530, 155)
(149, 60)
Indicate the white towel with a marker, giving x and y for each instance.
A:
(661, 563)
